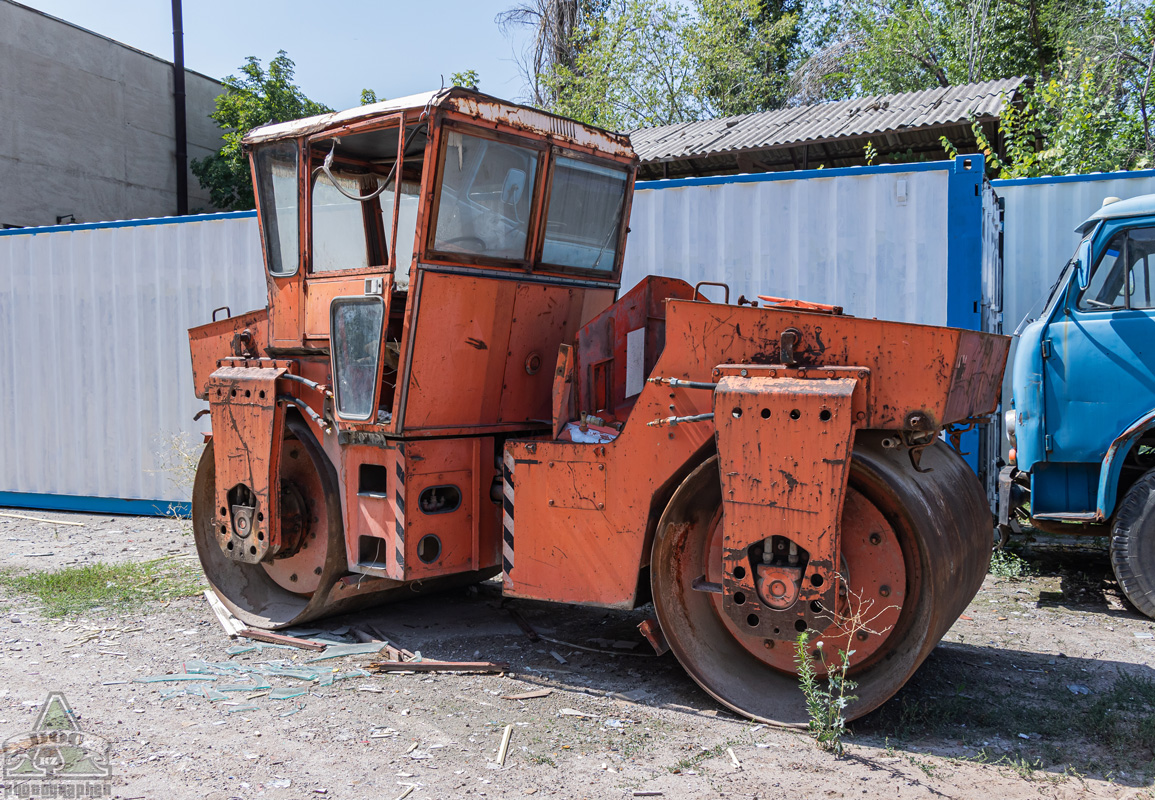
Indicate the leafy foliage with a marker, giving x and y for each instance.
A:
(469, 78)
(1005, 564)
(658, 62)
(257, 97)
(1091, 65)
(561, 30)
(631, 63)
(825, 705)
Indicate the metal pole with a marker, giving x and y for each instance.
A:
(179, 109)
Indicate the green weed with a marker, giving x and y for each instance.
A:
(825, 705)
(1005, 564)
(73, 590)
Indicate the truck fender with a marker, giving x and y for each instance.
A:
(1113, 463)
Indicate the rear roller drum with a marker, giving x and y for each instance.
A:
(915, 547)
(314, 580)
(284, 591)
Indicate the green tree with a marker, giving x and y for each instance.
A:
(633, 70)
(742, 52)
(468, 78)
(658, 62)
(257, 97)
(1090, 63)
(560, 30)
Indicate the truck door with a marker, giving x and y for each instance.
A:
(1098, 368)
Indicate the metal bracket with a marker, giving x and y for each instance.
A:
(248, 425)
(784, 447)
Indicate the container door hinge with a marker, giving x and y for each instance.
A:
(1046, 348)
(1048, 443)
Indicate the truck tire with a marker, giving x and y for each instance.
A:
(1133, 544)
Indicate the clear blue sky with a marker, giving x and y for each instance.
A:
(340, 46)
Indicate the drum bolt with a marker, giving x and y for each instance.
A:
(884, 591)
(875, 538)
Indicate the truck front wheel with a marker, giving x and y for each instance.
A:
(1133, 544)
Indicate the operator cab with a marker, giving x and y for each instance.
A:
(400, 238)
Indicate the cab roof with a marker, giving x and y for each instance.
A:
(1132, 207)
(481, 107)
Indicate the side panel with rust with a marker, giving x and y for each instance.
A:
(783, 457)
(391, 505)
(573, 551)
(213, 341)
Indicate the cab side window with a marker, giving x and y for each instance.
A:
(1122, 278)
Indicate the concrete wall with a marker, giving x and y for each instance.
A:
(86, 125)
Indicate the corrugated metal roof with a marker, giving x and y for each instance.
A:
(860, 116)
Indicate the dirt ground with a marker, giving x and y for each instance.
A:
(1043, 689)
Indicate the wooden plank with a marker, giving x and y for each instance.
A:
(438, 666)
(528, 695)
(530, 633)
(278, 638)
(42, 519)
(231, 624)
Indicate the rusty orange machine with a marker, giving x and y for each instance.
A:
(446, 387)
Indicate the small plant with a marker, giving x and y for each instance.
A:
(177, 456)
(928, 768)
(870, 153)
(74, 590)
(825, 705)
(1005, 564)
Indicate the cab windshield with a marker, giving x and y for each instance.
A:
(487, 189)
(584, 217)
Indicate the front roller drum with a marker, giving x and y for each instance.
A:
(915, 548)
(314, 581)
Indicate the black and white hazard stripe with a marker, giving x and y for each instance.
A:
(507, 516)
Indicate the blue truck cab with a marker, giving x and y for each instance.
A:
(1082, 422)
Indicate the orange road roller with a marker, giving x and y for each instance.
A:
(446, 387)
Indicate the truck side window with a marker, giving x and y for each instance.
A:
(1142, 259)
(353, 183)
(1122, 278)
(408, 201)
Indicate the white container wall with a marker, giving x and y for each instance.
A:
(95, 373)
(871, 241)
(1040, 218)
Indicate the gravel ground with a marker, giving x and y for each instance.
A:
(969, 725)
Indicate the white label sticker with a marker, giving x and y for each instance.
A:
(635, 361)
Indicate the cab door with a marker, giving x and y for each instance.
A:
(1098, 367)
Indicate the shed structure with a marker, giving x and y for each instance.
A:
(901, 127)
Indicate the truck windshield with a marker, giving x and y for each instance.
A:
(585, 212)
(486, 197)
(1122, 278)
